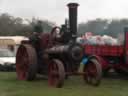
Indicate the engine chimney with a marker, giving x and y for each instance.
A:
(73, 19)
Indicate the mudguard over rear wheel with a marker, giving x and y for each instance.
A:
(26, 62)
(93, 72)
(56, 74)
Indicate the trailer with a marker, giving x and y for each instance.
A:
(115, 56)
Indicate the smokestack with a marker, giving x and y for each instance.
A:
(73, 19)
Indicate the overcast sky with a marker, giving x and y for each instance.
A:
(56, 10)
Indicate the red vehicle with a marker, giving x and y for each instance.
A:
(115, 57)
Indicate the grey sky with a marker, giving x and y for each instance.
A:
(56, 10)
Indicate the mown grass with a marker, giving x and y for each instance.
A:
(74, 86)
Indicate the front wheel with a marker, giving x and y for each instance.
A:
(56, 73)
(93, 72)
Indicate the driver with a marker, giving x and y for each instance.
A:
(37, 31)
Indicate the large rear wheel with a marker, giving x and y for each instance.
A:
(56, 73)
(26, 62)
(93, 72)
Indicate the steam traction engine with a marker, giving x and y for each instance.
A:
(56, 55)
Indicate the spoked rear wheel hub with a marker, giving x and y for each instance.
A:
(26, 61)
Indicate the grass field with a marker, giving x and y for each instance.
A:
(10, 86)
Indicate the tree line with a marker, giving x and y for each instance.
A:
(112, 27)
(11, 26)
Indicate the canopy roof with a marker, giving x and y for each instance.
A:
(5, 42)
(11, 40)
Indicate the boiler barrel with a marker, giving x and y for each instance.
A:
(74, 51)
